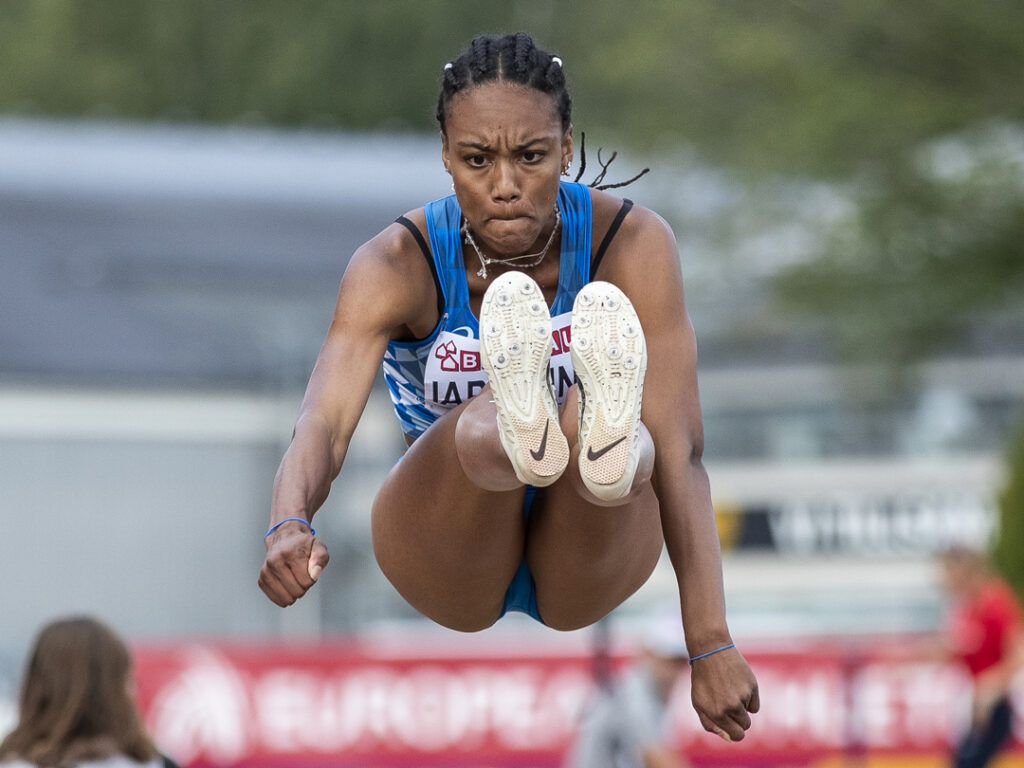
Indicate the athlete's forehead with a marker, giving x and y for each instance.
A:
(502, 113)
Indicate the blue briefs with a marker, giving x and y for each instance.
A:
(522, 592)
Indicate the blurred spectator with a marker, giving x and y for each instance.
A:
(626, 725)
(77, 705)
(985, 632)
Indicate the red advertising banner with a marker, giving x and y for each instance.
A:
(346, 705)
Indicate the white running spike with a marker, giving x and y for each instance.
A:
(527, 413)
(610, 359)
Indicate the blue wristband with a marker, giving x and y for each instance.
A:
(723, 648)
(302, 520)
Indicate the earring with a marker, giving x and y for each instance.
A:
(565, 168)
(453, 186)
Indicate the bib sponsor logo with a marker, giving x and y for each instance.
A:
(454, 359)
(454, 375)
(453, 371)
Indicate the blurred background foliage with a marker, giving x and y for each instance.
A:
(1008, 550)
(818, 88)
(911, 112)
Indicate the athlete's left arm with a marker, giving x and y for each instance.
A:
(644, 263)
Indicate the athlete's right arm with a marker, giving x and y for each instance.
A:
(386, 287)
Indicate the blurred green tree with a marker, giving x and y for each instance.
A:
(821, 88)
(1008, 549)
(919, 258)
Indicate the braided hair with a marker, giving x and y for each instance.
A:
(508, 59)
(516, 59)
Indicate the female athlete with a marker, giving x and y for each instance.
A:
(536, 345)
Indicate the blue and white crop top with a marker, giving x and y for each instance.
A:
(427, 377)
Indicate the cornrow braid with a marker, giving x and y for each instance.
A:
(597, 182)
(516, 59)
(509, 59)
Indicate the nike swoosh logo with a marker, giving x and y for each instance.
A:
(539, 453)
(593, 455)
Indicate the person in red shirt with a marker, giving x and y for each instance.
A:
(985, 630)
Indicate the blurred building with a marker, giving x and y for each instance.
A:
(165, 291)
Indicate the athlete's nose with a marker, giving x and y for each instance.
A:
(505, 181)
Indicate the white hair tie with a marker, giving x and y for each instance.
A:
(556, 60)
(447, 66)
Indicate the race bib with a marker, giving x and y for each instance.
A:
(454, 374)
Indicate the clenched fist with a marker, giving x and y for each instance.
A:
(295, 558)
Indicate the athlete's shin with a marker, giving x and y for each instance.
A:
(641, 478)
(479, 448)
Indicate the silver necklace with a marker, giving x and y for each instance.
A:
(538, 257)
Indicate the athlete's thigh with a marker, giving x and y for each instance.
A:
(586, 558)
(448, 546)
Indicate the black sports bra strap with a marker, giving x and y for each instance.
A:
(612, 230)
(422, 243)
(419, 237)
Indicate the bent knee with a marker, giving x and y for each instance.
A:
(462, 614)
(571, 623)
(571, 616)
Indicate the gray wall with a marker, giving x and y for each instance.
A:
(148, 509)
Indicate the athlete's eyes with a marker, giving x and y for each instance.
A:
(529, 156)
